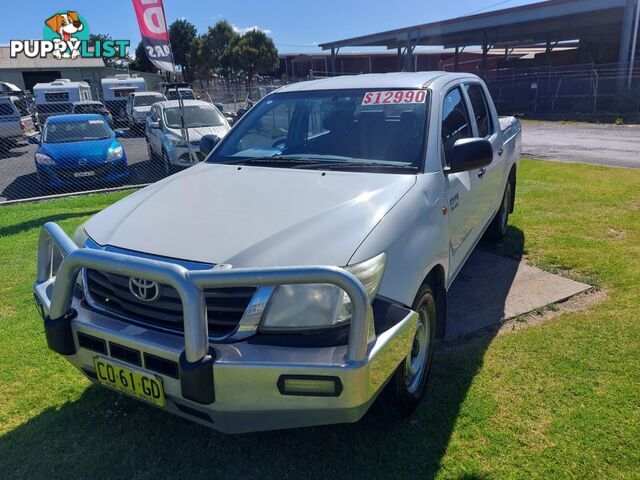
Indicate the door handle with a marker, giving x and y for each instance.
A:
(501, 151)
(481, 172)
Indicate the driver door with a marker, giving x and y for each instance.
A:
(463, 188)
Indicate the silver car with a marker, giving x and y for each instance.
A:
(173, 133)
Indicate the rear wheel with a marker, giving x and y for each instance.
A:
(407, 386)
(500, 223)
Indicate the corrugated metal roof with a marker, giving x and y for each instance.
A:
(24, 63)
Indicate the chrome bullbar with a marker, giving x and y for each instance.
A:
(60, 261)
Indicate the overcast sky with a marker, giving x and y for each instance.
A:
(294, 25)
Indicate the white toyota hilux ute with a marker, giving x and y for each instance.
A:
(301, 270)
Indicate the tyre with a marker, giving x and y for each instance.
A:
(166, 163)
(407, 386)
(152, 156)
(500, 223)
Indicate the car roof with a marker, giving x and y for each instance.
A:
(87, 102)
(75, 117)
(136, 94)
(176, 103)
(373, 80)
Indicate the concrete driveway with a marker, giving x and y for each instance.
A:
(611, 145)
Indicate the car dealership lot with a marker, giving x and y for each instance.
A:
(18, 177)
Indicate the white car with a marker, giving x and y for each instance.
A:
(301, 270)
(138, 107)
(177, 144)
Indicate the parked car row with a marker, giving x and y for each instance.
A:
(81, 147)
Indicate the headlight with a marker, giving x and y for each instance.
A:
(114, 153)
(43, 159)
(311, 306)
(177, 142)
(80, 236)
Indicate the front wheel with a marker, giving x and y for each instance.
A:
(407, 386)
(500, 223)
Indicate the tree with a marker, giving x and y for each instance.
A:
(254, 52)
(102, 37)
(196, 56)
(142, 62)
(215, 44)
(182, 33)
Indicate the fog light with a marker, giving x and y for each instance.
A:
(309, 385)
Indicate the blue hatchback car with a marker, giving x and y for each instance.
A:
(75, 150)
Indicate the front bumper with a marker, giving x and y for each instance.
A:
(57, 177)
(232, 387)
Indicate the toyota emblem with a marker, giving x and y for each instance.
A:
(145, 290)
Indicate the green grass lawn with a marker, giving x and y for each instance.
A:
(556, 400)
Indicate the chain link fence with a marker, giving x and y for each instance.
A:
(45, 153)
(582, 90)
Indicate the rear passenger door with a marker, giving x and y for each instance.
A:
(463, 197)
(490, 186)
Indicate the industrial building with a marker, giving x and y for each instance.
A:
(25, 72)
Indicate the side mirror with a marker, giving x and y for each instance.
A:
(469, 154)
(119, 133)
(208, 143)
(154, 124)
(34, 140)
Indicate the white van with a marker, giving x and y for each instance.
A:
(15, 121)
(55, 98)
(116, 91)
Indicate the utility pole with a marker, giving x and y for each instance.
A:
(633, 46)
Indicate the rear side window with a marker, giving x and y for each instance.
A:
(5, 109)
(480, 109)
(455, 121)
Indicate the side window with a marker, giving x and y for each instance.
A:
(316, 121)
(480, 109)
(455, 121)
(5, 109)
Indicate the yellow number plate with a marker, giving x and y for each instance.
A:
(136, 384)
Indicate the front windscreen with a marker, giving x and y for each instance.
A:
(75, 131)
(53, 108)
(194, 116)
(91, 108)
(145, 100)
(185, 94)
(364, 127)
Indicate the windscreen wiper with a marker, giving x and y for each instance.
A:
(358, 166)
(280, 159)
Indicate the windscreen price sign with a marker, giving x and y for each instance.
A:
(394, 97)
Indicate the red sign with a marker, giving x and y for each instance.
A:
(155, 36)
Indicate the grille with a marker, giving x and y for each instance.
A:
(225, 306)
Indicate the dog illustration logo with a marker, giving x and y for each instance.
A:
(66, 25)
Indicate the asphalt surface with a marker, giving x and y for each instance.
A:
(18, 178)
(611, 145)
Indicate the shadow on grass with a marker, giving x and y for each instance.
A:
(38, 222)
(104, 435)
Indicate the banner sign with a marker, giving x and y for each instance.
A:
(155, 36)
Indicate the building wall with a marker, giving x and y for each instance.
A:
(89, 75)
